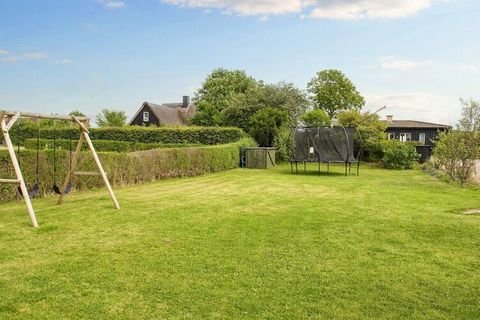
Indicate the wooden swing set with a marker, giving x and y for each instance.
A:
(8, 119)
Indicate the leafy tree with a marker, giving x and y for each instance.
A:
(216, 94)
(282, 96)
(206, 116)
(266, 124)
(316, 118)
(111, 118)
(77, 113)
(456, 152)
(470, 120)
(370, 128)
(332, 92)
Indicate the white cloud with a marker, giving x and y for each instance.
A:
(244, 7)
(113, 4)
(422, 106)
(358, 9)
(32, 56)
(403, 64)
(63, 61)
(396, 63)
(10, 59)
(327, 9)
(4, 52)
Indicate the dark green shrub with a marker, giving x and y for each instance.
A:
(399, 155)
(316, 118)
(102, 145)
(123, 168)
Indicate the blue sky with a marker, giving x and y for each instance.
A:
(416, 57)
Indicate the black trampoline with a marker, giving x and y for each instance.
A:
(326, 145)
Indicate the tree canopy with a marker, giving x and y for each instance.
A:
(316, 118)
(217, 92)
(470, 120)
(111, 118)
(332, 92)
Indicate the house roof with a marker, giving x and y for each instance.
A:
(414, 124)
(171, 114)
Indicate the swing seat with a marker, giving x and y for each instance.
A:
(67, 190)
(31, 193)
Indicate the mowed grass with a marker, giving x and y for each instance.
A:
(248, 244)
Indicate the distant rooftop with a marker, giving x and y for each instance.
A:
(413, 124)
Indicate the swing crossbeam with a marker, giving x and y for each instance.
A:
(12, 181)
(81, 173)
(8, 119)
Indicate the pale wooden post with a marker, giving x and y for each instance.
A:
(97, 161)
(74, 161)
(100, 169)
(18, 171)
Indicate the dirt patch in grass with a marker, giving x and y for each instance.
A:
(472, 211)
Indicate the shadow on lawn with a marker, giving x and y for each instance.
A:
(312, 170)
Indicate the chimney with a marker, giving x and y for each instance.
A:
(389, 118)
(186, 101)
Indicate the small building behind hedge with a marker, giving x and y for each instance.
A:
(167, 114)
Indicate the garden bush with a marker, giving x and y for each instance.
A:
(399, 155)
(178, 135)
(122, 168)
(103, 145)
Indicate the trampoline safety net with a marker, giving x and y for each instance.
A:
(325, 144)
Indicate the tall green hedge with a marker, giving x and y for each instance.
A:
(101, 145)
(179, 135)
(122, 168)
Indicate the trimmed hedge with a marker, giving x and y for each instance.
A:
(102, 145)
(177, 135)
(123, 168)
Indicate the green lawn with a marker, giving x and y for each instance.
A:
(248, 244)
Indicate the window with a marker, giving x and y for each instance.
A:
(405, 136)
(391, 135)
(146, 116)
(421, 137)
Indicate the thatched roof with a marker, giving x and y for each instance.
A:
(170, 114)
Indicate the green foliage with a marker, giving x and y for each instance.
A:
(332, 92)
(206, 116)
(316, 118)
(399, 155)
(216, 93)
(370, 128)
(111, 118)
(266, 124)
(282, 96)
(470, 120)
(77, 113)
(123, 168)
(102, 145)
(456, 152)
(178, 135)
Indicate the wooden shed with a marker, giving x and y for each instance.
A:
(259, 158)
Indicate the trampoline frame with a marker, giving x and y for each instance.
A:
(347, 162)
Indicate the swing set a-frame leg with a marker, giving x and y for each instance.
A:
(16, 166)
(100, 169)
(85, 137)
